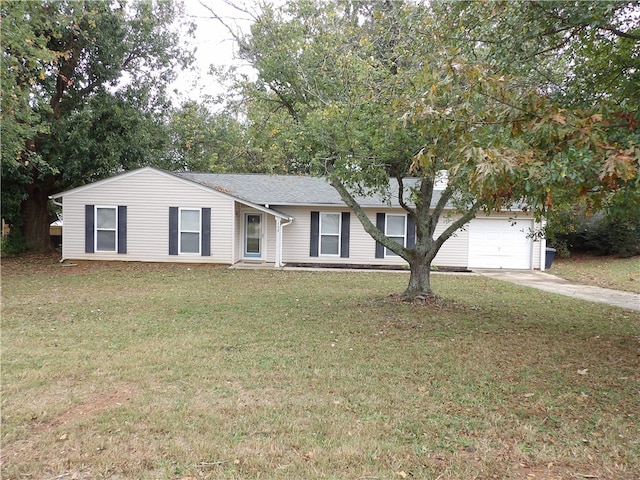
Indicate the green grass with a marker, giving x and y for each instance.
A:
(607, 272)
(174, 372)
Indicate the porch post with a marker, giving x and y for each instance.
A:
(278, 262)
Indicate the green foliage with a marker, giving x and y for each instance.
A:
(84, 94)
(204, 141)
(12, 245)
(584, 56)
(615, 230)
(603, 234)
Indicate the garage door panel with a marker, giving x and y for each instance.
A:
(500, 243)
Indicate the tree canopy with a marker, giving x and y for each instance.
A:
(83, 96)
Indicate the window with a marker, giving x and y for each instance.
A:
(329, 234)
(395, 229)
(106, 229)
(189, 230)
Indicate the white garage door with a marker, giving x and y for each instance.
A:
(500, 243)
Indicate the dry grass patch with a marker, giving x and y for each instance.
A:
(607, 272)
(170, 371)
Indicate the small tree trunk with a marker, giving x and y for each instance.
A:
(36, 221)
(420, 279)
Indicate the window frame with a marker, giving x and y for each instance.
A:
(97, 229)
(337, 235)
(181, 230)
(387, 252)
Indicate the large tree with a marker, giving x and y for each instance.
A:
(365, 92)
(83, 96)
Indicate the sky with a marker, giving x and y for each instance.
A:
(214, 46)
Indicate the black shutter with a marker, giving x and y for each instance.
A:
(122, 229)
(344, 234)
(173, 230)
(89, 226)
(315, 234)
(411, 232)
(206, 232)
(380, 217)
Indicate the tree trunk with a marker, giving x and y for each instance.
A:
(36, 220)
(420, 279)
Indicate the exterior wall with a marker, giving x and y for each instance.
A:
(269, 233)
(148, 195)
(296, 241)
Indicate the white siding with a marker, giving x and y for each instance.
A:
(148, 194)
(455, 250)
(362, 248)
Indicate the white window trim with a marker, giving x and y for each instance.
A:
(320, 234)
(96, 229)
(387, 252)
(181, 231)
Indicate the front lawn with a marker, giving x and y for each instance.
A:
(192, 372)
(607, 272)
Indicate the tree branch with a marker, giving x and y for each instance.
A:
(368, 226)
(459, 223)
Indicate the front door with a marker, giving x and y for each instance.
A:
(252, 235)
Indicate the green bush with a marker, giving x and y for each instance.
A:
(12, 245)
(601, 234)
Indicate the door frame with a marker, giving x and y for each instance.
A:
(245, 217)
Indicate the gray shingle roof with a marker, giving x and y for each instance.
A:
(285, 189)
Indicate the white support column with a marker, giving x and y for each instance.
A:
(278, 262)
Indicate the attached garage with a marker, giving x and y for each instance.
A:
(500, 243)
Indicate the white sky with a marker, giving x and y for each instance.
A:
(214, 45)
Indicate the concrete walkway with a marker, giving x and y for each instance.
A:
(551, 283)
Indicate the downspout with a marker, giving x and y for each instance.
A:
(59, 204)
(279, 227)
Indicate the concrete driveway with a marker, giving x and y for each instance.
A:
(551, 283)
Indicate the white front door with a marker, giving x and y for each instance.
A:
(500, 243)
(252, 235)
